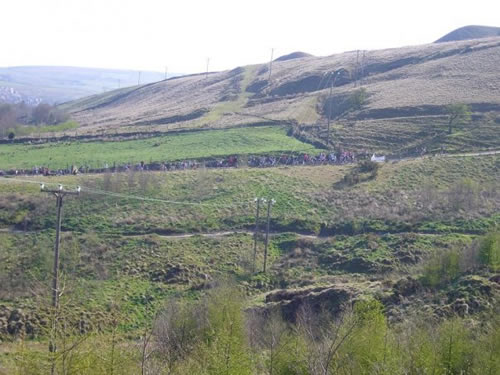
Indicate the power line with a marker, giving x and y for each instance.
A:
(128, 196)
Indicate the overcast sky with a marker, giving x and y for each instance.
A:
(150, 34)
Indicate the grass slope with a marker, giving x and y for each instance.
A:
(203, 144)
(115, 250)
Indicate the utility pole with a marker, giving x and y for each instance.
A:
(362, 68)
(208, 62)
(256, 231)
(270, 202)
(356, 70)
(329, 116)
(271, 64)
(60, 193)
(139, 79)
(330, 109)
(166, 72)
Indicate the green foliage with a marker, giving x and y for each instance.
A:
(489, 251)
(44, 129)
(366, 348)
(458, 113)
(358, 98)
(223, 348)
(441, 268)
(455, 351)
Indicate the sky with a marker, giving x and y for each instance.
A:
(183, 34)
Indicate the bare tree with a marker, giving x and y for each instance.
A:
(325, 336)
(175, 330)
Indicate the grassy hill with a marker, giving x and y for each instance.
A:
(58, 84)
(401, 105)
(133, 240)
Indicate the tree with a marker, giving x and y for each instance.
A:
(11, 135)
(41, 113)
(7, 117)
(489, 251)
(458, 113)
(358, 98)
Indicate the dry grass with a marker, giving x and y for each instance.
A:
(434, 74)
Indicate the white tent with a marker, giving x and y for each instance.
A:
(378, 159)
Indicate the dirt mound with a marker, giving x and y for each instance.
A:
(293, 55)
(470, 32)
(329, 299)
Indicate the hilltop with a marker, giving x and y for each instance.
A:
(58, 84)
(470, 32)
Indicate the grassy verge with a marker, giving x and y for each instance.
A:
(21, 130)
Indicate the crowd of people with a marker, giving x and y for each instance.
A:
(340, 157)
(303, 159)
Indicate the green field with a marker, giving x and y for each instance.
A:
(203, 144)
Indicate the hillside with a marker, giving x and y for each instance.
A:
(171, 264)
(135, 243)
(403, 105)
(470, 32)
(54, 84)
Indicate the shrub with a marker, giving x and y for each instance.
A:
(368, 166)
(489, 251)
(441, 269)
(463, 195)
(358, 98)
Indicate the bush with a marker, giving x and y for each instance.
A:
(464, 195)
(441, 269)
(358, 98)
(364, 171)
(489, 251)
(368, 166)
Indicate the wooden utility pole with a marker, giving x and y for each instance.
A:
(166, 72)
(256, 231)
(330, 109)
(271, 64)
(208, 62)
(59, 194)
(139, 79)
(270, 202)
(356, 70)
(329, 115)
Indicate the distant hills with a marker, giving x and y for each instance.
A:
(54, 84)
(470, 32)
